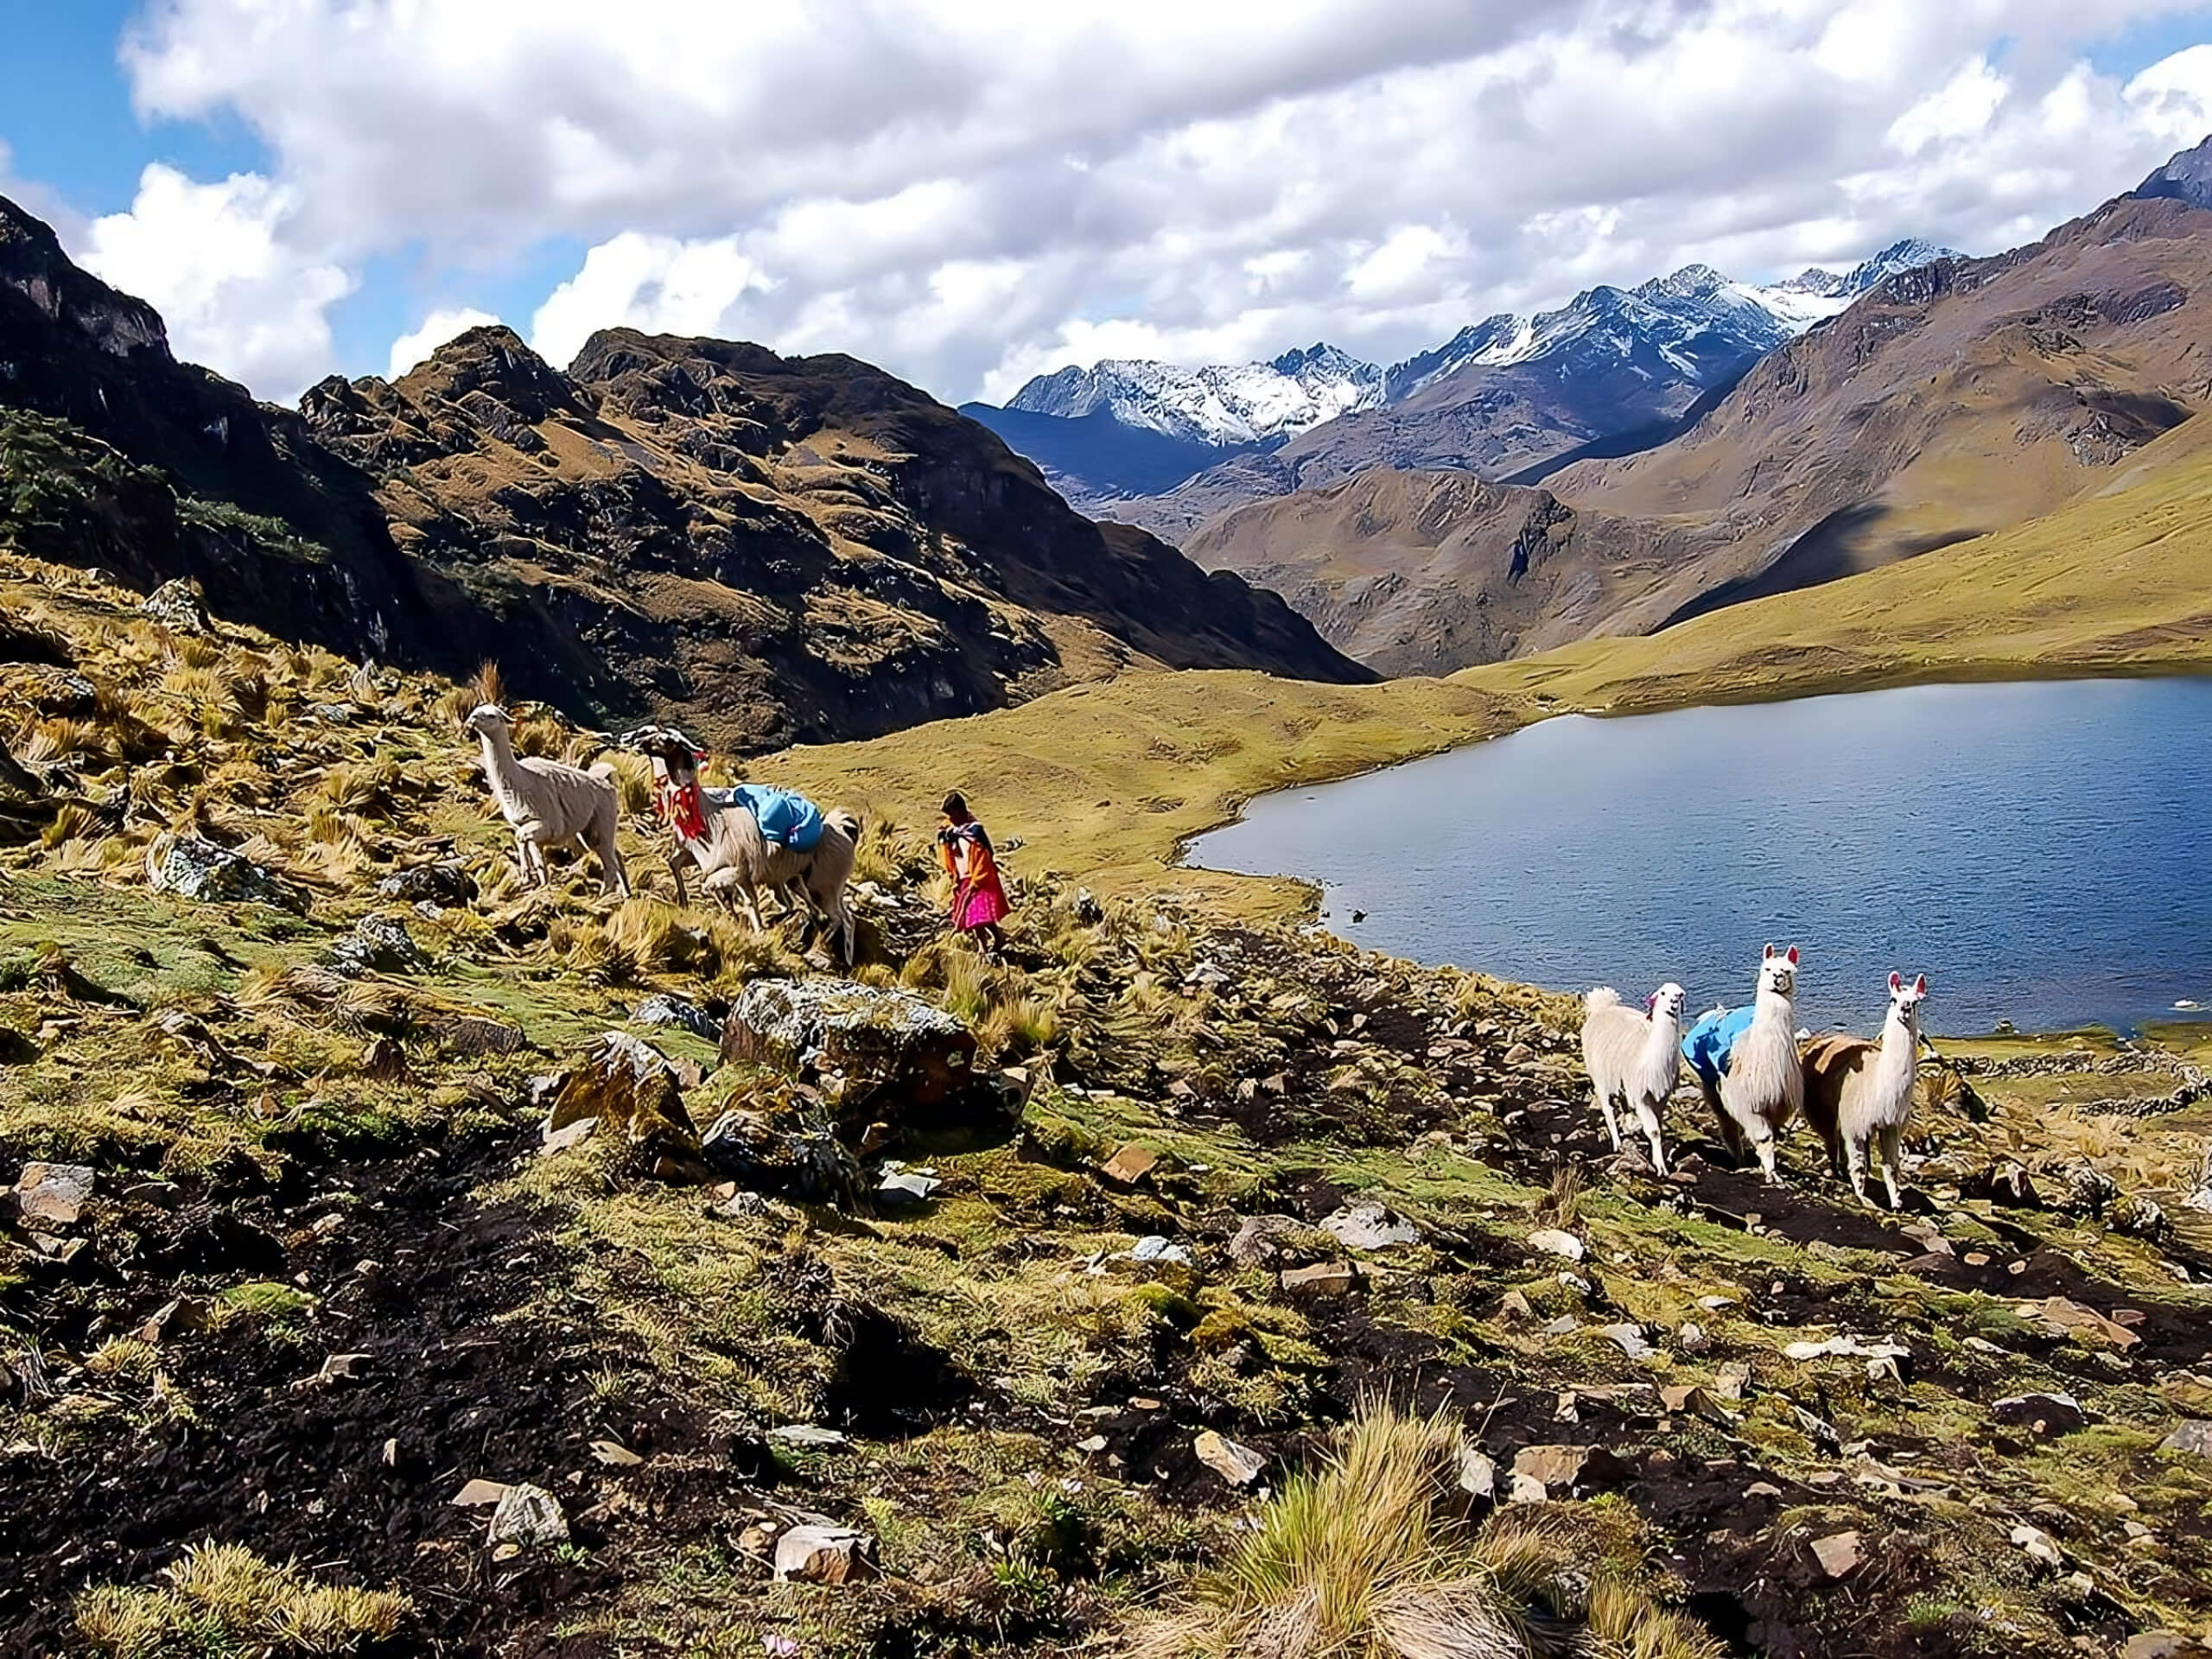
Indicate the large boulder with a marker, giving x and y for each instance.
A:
(872, 1054)
(627, 1088)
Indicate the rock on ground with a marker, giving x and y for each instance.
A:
(1365, 1224)
(825, 1555)
(874, 1053)
(195, 868)
(630, 1089)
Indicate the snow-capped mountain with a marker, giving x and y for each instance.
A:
(1499, 396)
(1226, 405)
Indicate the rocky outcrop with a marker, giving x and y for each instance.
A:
(872, 1053)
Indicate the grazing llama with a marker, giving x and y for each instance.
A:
(715, 830)
(1634, 1058)
(1765, 1084)
(1859, 1094)
(550, 803)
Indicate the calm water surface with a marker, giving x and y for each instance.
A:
(2039, 850)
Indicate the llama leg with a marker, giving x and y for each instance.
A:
(1855, 1150)
(675, 862)
(1606, 1110)
(1649, 1116)
(1763, 1143)
(1893, 1146)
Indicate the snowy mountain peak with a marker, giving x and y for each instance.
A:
(1225, 404)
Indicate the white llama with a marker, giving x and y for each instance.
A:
(1634, 1058)
(1859, 1094)
(548, 803)
(1765, 1084)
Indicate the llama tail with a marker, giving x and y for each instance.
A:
(603, 770)
(845, 821)
(1604, 997)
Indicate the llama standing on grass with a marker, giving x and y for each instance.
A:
(720, 831)
(1634, 1058)
(548, 803)
(1859, 1093)
(1763, 1084)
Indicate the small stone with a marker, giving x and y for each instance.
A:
(391, 1454)
(477, 1494)
(1527, 1488)
(1762, 1489)
(902, 1187)
(1566, 1326)
(1552, 1242)
(1687, 1398)
(569, 1134)
(825, 1555)
(1322, 1279)
(1240, 1466)
(339, 1368)
(178, 1316)
(1129, 1166)
(1693, 1338)
(663, 1009)
(1627, 1338)
(2046, 1414)
(807, 1434)
(1563, 1469)
(1096, 1443)
(1514, 1305)
(1731, 1380)
(1477, 1472)
(1976, 1258)
(2193, 1436)
(527, 1517)
(614, 1454)
(1262, 1241)
(1365, 1224)
(2157, 1644)
(1839, 1553)
(54, 1195)
(2039, 1545)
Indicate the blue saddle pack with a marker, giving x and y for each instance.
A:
(786, 819)
(1712, 1039)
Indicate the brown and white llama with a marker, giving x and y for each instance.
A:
(1859, 1094)
(1765, 1084)
(1634, 1058)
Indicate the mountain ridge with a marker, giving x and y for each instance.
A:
(774, 550)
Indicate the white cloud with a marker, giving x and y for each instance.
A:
(967, 190)
(212, 259)
(656, 284)
(417, 345)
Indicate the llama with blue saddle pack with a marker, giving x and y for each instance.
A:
(750, 835)
(1746, 1064)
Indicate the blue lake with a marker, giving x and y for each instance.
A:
(2041, 851)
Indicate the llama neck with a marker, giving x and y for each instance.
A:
(499, 768)
(1900, 1045)
(1772, 1008)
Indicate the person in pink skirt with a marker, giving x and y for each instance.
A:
(979, 902)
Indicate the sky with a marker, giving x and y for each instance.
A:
(971, 192)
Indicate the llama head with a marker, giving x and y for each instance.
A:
(677, 755)
(1905, 997)
(1666, 1001)
(487, 718)
(1778, 971)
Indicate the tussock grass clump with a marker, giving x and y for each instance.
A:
(223, 1599)
(1375, 1554)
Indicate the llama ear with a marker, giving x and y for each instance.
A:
(1769, 954)
(1793, 955)
(1920, 986)
(1896, 980)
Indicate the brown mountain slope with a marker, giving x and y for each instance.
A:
(771, 550)
(1427, 572)
(1952, 401)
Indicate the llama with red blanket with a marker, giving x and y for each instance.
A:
(751, 835)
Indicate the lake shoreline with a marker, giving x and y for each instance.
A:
(1420, 849)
